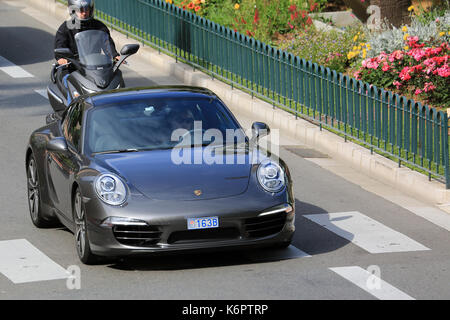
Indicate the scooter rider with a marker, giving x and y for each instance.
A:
(82, 19)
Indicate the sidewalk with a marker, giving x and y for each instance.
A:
(372, 172)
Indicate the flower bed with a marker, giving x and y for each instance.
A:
(412, 61)
(417, 70)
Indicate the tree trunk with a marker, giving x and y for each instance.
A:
(359, 8)
(395, 11)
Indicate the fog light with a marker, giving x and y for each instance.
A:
(122, 221)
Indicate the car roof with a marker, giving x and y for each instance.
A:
(109, 97)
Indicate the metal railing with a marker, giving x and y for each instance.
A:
(392, 125)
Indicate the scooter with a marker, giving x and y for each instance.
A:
(95, 69)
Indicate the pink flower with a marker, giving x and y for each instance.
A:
(418, 68)
(386, 67)
(417, 54)
(444, 71)
(417, 92)
(404, 74)
(382, 57)
(397, 84)
(440, 60)
(396, 55)
(372, 64)
(429, 86)
(357, 75)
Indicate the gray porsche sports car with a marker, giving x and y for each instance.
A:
(148, 170)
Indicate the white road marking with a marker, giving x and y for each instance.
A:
(21, 262)
(363, 278)
(42, 93)
(11, 69)
(366, 232)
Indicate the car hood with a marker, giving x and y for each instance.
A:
(156, 176)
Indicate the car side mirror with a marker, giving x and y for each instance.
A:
(57, 144)
(129, 49)
(64, 52)
(259, 130)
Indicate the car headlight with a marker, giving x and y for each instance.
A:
(110, 189)
(271, 176)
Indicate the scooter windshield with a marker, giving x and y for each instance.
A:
(94, 49)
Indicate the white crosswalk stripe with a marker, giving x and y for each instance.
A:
(365, 232)
(21, 262)
(371, 283)
(12, 70)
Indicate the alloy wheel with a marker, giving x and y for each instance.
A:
(80, 222)
(33, 190)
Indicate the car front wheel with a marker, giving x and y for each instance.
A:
(81, 233)
(34, 195)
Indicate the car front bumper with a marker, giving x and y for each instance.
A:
(234, 231)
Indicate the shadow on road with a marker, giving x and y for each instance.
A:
(309, 237)
(23, 45)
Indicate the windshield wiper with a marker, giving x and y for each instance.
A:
(117, 151)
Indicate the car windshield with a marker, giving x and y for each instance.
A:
(94, 49)
(160, 123)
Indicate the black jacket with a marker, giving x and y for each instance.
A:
(65, 37)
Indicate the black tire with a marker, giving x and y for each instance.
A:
(34, 195)
(81, 232)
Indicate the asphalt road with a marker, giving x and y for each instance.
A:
(328, 258)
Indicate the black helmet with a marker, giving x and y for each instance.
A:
(81, 5)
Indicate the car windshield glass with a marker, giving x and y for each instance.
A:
(161, 123)
(94, 49)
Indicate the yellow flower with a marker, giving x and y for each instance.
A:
(236, 6)
(351, 55)
(405, 37)
(411, 8)
(169, 1)
(405, 29)
(441, 34)
(362, 44)
(364, 53)
(406, 48)
(355, 38)
(355, 48)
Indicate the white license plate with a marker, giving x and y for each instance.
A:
(203, 223)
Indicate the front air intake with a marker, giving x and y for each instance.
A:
(264, 226)
(137, 236)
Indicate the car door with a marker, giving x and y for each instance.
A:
(63, 166)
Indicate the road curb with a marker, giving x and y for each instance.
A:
(359, 158)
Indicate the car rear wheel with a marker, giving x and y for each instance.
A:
(81, 232)
(34, 195)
